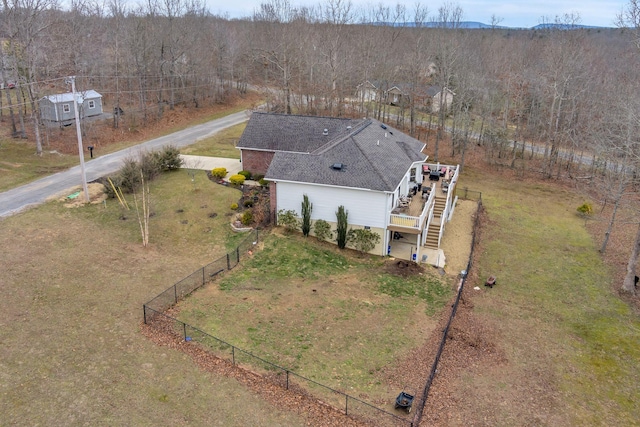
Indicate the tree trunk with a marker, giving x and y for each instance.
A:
(629, 284)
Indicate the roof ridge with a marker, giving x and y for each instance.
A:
(383, 176)
(339, 139)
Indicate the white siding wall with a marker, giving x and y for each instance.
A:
(366, 208)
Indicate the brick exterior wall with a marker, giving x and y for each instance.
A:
(256, 162)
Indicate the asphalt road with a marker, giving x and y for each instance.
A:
(37, 192)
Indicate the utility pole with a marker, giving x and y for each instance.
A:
(79, 132)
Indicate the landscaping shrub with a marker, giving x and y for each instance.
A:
(341, 228)
(219, 172)
(247, 218)
(246, 174)
(585, 209)
(363, 240)
(307, 207)
(322, 230)
(234, 206)
(248, 203)
(168, 158)
(258, 177)
(237, 179)
(263, 182)
(288, 219)
(149, 163)
(129, 175)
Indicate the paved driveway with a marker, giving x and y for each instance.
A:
(34, 193)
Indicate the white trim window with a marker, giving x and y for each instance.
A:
(92, 104)
(66, 108)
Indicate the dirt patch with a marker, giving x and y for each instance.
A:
(75, 197)
(456, 241)
(400, 267)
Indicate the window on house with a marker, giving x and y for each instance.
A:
(412, 175)
(92, 104)
(66, 108)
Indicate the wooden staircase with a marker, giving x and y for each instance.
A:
(434, 227)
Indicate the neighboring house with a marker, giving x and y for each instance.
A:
(363, 165)
(396, 96)
(60, 107)
(436, 98)
(367, 92)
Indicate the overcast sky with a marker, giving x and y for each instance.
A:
(517, 13)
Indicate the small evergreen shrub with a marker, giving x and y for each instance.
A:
(219, 172)
(288, 219)
(322, 230)
(168, 158)
(263, 182)
(341, 229)
(237, 179)
(258, 177)
(246, 174)
(247, 218)
(363, 240)
(585, 209)
(234, 206)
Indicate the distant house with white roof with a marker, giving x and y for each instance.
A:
(60, 107)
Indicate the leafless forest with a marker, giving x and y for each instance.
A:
(561, 101)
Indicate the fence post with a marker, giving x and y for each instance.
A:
(228, 263)
(238, 255)
(257, 236)
(346, 404)
(466, 190)
(175, 293)
(202, 276)
(184, 330)
(287, 371)
(233, 355)
(144, 313)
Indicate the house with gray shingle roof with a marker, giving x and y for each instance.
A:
(362, 164)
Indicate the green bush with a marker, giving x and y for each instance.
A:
(247, 218)
(246, 174)
(258, 177)
(234, 206)
(363, 240)
(248, 203)
(322, 230)
(219, 173)
(263, 182)
(585, 209)
(168, 158)
(149, 163)
(129, 175)
(237, 179)
(341, 229)
(307, 207)
(288, 219)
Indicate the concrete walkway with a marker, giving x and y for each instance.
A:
(206, 163)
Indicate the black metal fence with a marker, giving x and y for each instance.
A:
(454, 308)
(466, 194)
(155, 315)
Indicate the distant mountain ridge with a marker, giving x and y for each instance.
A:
(481, 25)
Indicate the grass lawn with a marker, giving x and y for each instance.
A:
(20, 165)
(222, 144)
(326, 314)
(570, 343)
(73, 283)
